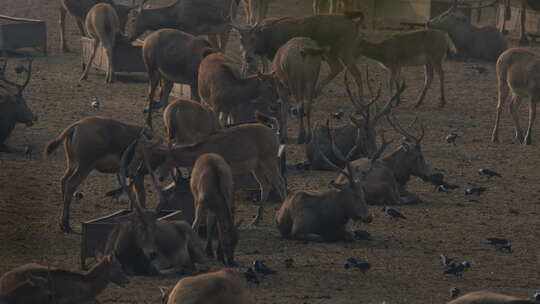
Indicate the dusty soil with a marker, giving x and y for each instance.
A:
(404, 254)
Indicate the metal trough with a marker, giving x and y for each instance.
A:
(127, 57)
(18, 33)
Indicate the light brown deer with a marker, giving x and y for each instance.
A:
(518, 73)
(488, 297)
(69, 287)
(297, 65)
(420, 47)
(256, 10)
(212, 188)
(103, 27)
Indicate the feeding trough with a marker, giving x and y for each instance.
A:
(127, 56)
(18, 33)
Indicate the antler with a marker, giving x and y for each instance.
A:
(388, 106)
(362, 109)
(375, 156)
(151, 172)
(20, 69)
(396, 125)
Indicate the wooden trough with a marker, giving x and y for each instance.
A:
(18, 33)
(95, 232)
(127, 57)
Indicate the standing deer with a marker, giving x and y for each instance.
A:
(422, 47)
(103, 27)
(256, 10)
(297, 65)
(212, 188)
(518, 73)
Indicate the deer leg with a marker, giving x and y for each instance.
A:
(532, 117)
(224, 39)
(284, 95)
(89, 64)
(138, 187)
(62, 21)
(81, 28)
(301, 130)
(71, 185)
(307, 109)
(109, 78)
(199, 216)
(503, 95)
(276, 179)
(427, 84)
(336, 66)
(166, 88)
(514, 105)
(440, 72)
(210, 233)
(194, 86)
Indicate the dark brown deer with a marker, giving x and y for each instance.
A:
(212, 188)
(13, 107)
(33, 290)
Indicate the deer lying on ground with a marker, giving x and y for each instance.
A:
(103, 27)
(323, 215)
(296, 66)
(212, 188)
(13, 107)
(222, 87)
(68, 287)
(421, 47)
(220, 287)
(187, 122)
(488, 297)
(266, 38)
(518, 73)
(484, 43)
(33, 290)
(94, 143)
(389, 175)
(256, 10)
(197, 17)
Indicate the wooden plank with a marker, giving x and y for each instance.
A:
(19, 19)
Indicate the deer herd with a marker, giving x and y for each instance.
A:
(215, 140)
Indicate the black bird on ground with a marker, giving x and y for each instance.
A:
(339, 114)
(451, 138)
(454, 292)
(79, 195)
(352, 262)
(536, 296)
(476, 190)
(251, 276)
(479, 69)
(446, 260)
(261, 268)
(115, 193)
(488, 173)
(393, 212)
(362, 235)
(29, 150)
(288, 262)
(95, 103)
(499, 243)
(457, 269)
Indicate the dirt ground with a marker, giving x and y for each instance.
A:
(404, 254)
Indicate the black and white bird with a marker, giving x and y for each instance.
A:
(352, 262)
(261, 268)
(446, 260)
(288, 262)
(339, 114)
(79, 195)
(536, 296)
(454, 292)
(115, 193)
(479, 69)
(95, 103)
(393, 212)
(499, 243)
(475, 190)
(488, 173)
(444, 187)
(451, 138)
(457, 269)
(251, 276)
(29, 150)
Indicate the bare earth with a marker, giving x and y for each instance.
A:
(404, 254)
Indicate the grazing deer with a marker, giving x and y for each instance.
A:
(69, 287)
(485, 43)
(296, 66)
(33, 290)
(323, 215)
(518, 73)
(13, 107)
(212, 188)
(266, 38)
(187, 122)
(256, 10)
(220, 287)
(93, 143)
(421, 47)
(222, 87)
(488, 297)
(103, 27)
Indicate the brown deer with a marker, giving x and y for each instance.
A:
(297, 65)
(421, 47)
(69, 287)
(93, 143)
(220, 287)
(33, 290)
(323, 215)
(488, 297)
(103, 26)
(212, 188)
(13, 107)
(187, 122)
(256, 10)
(222, 87)
(518, 73)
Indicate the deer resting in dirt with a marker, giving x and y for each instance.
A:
(518, 74)
(222, 87)
(220, 287)
(67, 287)
(213, 193)
(488, 297)
(94, 143)
(297, 65)
(13, 107)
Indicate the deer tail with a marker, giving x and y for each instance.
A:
(55, 143)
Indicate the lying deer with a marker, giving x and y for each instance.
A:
(256, 10)
(489, 297)
(33, 290)
(518, 73)
(323, 215)
(103, 27)
(68, 287)
(420, 47)
(93, 143)
(13, 107)
(222, 87)
(296, 66)
(220, 287)
(212, 188)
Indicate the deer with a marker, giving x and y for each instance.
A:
(212, 187)
(66, 286)
(94, 143)
(485, 296)
(222, 286)
(13, 106)
(318, 216)
(33, 290)
(103, 27)
(296, 66)
(197, 17)
(266, 38)
(256, 10)
(485, 43)
(518, 73)
(421, 47)
(223, 88)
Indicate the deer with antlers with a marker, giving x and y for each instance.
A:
(13, 107)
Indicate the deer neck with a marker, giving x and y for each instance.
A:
(397, 163)
(97, 279)
(186, 155)
(372, 50)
